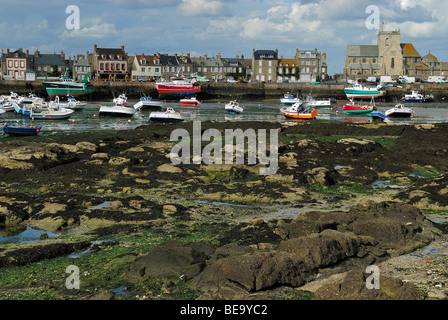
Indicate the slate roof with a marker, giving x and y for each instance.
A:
(362, 51)
(49, 60)
(259, 53)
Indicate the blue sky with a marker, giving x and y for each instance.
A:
(229, 27)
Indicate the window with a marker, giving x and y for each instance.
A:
(143, 70)
(22, 64)
(45, 68)
(16, 64)
(59, 69)
(101, 66)
(259, 63)
(387, 42)
(270, 63)
(308, 63)
(392, 63)
(143, 61)
(269, 71)
(123, 67)
(157, 70)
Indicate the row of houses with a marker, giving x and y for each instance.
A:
(391, 57)
(114, 64)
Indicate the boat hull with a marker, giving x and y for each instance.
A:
(62, 89)
(21, 131)
(299, 116)
(116, 111)
(165, 117)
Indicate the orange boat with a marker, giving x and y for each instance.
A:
(297, 111)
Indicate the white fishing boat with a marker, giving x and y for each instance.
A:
(169, 115)
(318, 102)
(71, 103)
(289, 99)
(417, 97)
(50, 112)
(6, 105)
(148, 103)
(119, 108)
(233, 107)
(399, 111)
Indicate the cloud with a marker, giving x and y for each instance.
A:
(204, 8)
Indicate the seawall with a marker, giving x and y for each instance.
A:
(212, 91)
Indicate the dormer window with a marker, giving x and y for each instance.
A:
(111, 57)
(104, 57)
(120, 57)
(157, 61)
(143, 61)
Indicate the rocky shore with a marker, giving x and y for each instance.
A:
(345, 197)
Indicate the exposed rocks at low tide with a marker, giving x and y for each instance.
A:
(344, 197)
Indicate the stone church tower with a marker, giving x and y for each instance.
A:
(390, 53)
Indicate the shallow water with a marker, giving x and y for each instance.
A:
(267, 111)
(24, 236)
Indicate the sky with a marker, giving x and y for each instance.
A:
(229, 27)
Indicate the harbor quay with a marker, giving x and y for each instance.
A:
(246, 91)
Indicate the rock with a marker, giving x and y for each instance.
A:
(118, 161)
(101, 155)
(169, 209)
(353, 287)
(169, 168)
(171, 258)
(84, 145)
(322, 176)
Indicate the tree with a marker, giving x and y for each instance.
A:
(54, 71)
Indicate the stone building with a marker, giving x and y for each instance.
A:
(110, 64)
(264, 65)
(389, 57)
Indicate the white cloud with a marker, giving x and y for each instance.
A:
(204, 7)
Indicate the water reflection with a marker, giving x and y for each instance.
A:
(19, 235)
(267, 111)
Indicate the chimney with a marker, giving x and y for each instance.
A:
(7, 52)
(95, 47)
(27, 53)
(242, 56)
(218, 55)
(122, 48)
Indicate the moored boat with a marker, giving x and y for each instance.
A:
(354, 107)
(11, 129)
(318, 102)
(178, 86)
(357, 91)
(289, 99)
(169, 115)
(119, 108)
(147, 103)
(378, 116)
(299, 110)
(66, 86)
(417, 97)
(50, 113)
(233, 107)
(191, 101)
(399, 111)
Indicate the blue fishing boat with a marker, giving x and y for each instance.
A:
(13, 130)
(378, 115)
